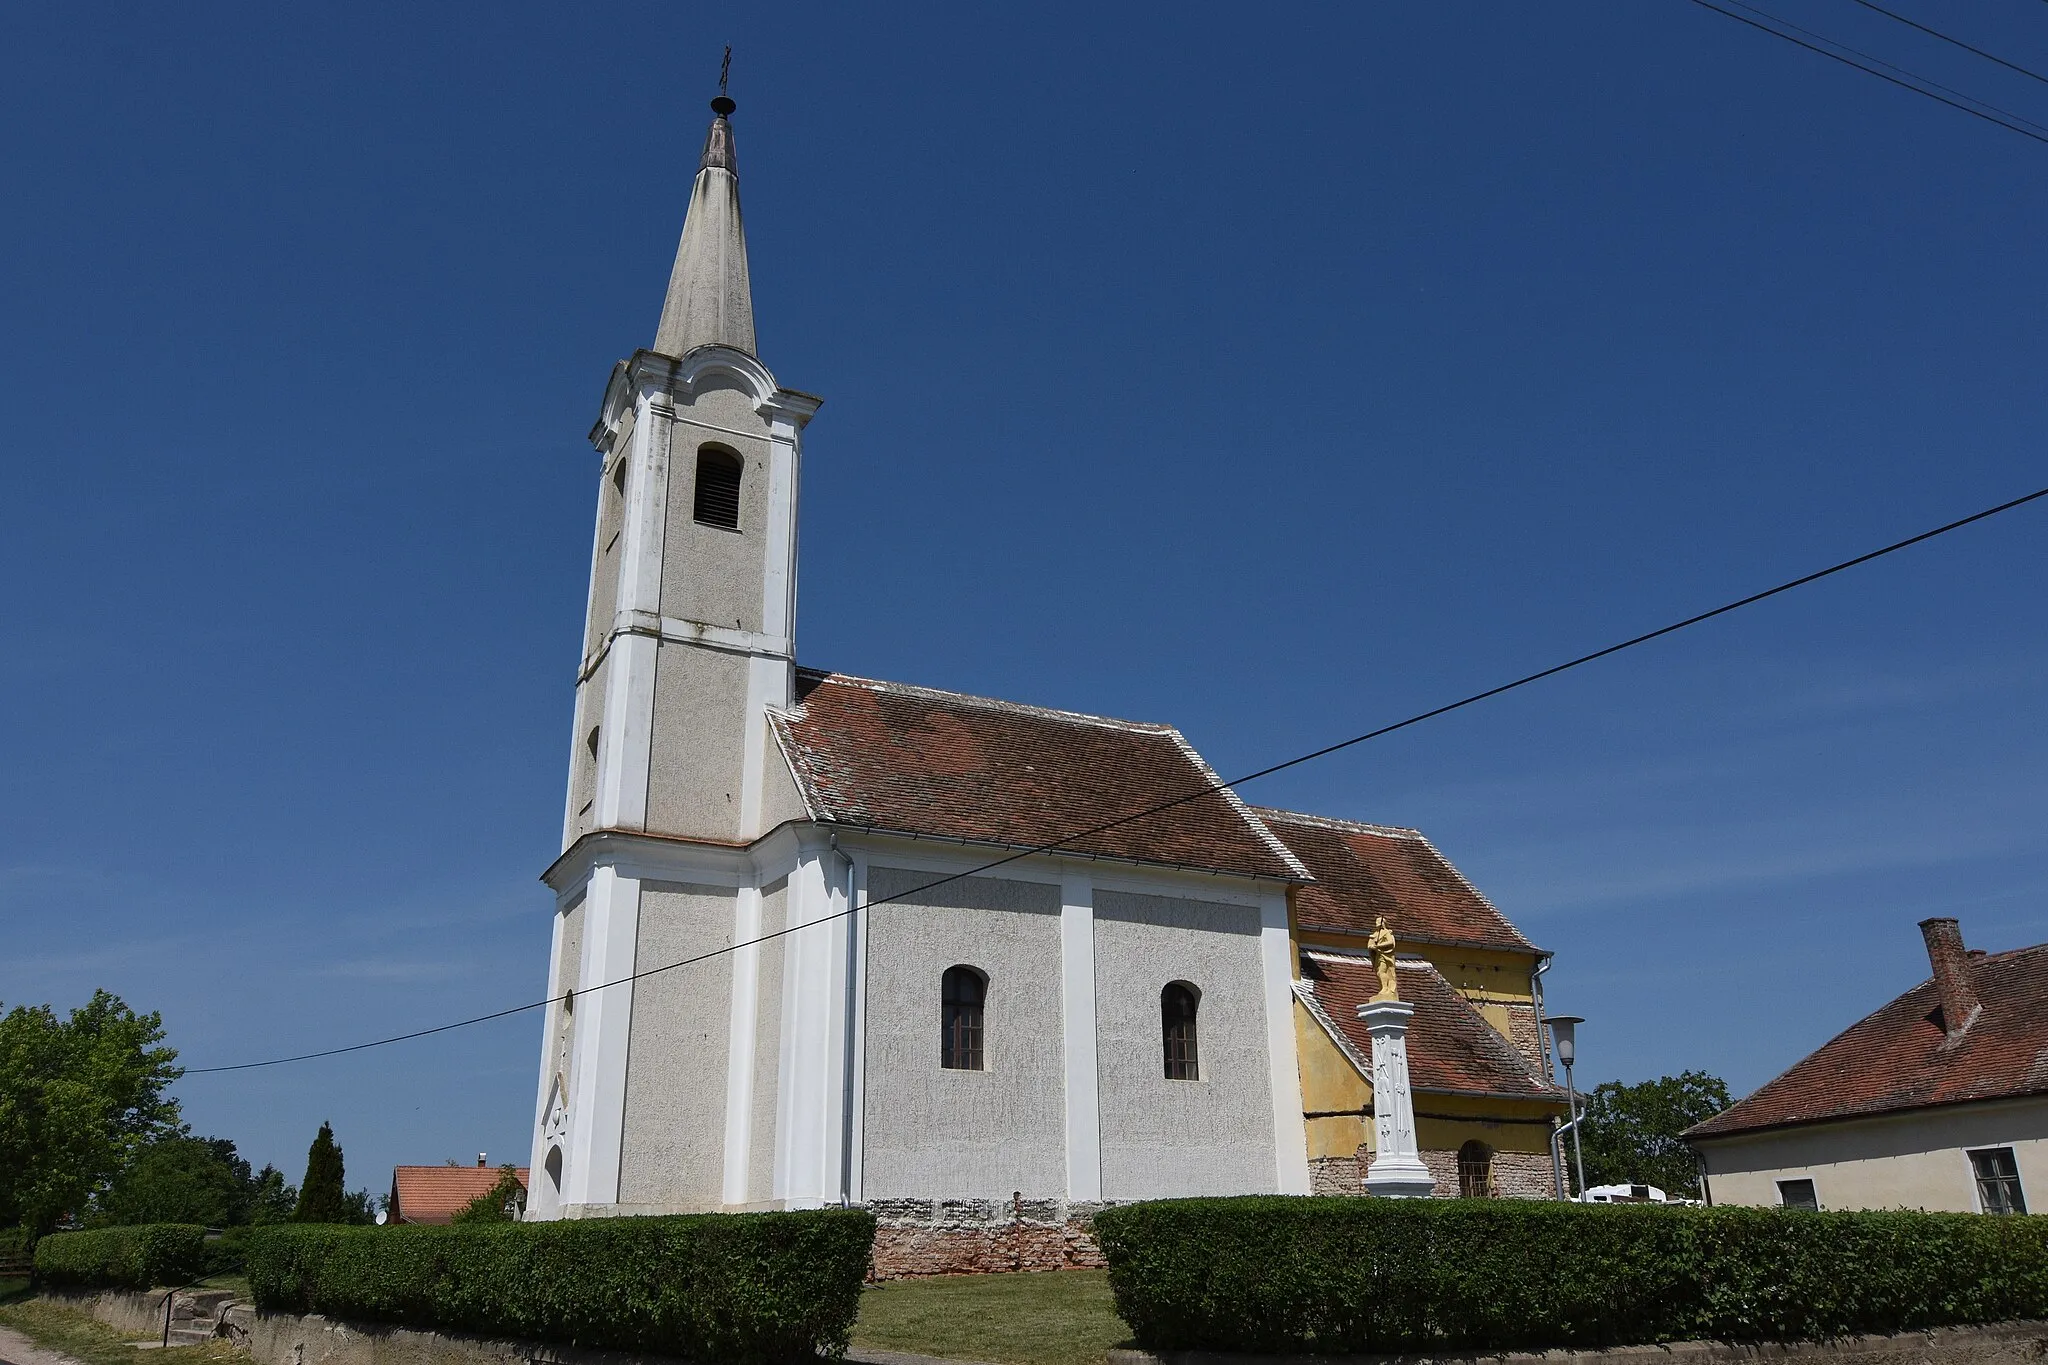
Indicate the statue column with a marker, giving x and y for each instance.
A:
(1397, 1171)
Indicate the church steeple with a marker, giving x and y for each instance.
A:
(710, 300)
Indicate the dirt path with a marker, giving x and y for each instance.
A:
(16, 1349)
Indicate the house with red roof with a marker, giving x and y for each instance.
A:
(1937, 1100)
(977, 965)
(435, 1194)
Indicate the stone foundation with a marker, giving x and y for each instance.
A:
(1516, 1175)
(978, 1236)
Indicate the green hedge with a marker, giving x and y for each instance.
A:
(741, 1287)
(140, 1257)
(1278, 1274)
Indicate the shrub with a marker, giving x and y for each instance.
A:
(140, 1257)
(1287, 1274)
(741, 1287)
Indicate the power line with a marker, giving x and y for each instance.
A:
(1970, 109)
(1891, 66)
(1934, 33)
(1196, 795)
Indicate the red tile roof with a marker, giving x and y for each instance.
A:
(435, 1194)
(1896, 1059)
(1362, 871)
(914, 760)
(1452, 1050)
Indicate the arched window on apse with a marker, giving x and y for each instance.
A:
(962, 992)
(1475, 1170)
(1178, 1005)
(718, 488)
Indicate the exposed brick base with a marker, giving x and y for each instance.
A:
(1336, 1175)
(977, 1236)
(1516, 1175)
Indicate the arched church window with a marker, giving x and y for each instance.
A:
(590, 742)
(554, 1168)
(619, 476)
(718, 488)
(962, 991)
(1475, 1170)
(1178, 1005)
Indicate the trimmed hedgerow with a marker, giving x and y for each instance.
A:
(741, 1287)
(140, 1257)
(1283, 1274)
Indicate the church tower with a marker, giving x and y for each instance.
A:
(687, 643)
(690, 631)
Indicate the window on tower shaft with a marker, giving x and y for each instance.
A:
(718, 488)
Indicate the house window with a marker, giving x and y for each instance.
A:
(961, 993)
(1178, 1004)
(1475, 1170)
(1797, 1194)
(1998, 1181)
(718, 488)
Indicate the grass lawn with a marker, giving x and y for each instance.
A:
(84, 1337)
(11, 1289)
(1053, 1317)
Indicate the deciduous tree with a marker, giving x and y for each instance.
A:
(1631, 1132)
(79, 1097)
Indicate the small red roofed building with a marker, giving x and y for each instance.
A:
(1938, 1100)
(435, 1194)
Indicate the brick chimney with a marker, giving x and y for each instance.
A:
(480, 1155)
(1951, 963)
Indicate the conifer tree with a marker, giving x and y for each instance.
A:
(321, 1196)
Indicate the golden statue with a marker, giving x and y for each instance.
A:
(1381, 942)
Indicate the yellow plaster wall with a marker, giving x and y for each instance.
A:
(1330, 1088)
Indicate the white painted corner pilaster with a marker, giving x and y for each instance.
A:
(1077, 1024)
(807, 1168)
(604, 1025)
(742, 1033)
(1290, 1129)
(537, 1163)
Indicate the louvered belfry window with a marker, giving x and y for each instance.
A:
(718, 488)
(961, 993)
(1177, 1007)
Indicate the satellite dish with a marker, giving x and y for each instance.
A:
(381, 1216)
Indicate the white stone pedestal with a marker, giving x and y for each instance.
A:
(1397, 1171)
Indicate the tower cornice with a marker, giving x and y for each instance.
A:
(679, 377)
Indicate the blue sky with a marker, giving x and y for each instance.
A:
(1277, 373)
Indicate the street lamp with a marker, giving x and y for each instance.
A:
(1564, 1033)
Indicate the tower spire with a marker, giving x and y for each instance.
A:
(710, 299)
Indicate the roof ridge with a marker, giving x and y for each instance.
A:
(987, 703)
(1296, 817)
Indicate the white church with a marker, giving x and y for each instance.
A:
(866, 1011)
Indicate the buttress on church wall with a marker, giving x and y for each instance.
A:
(1163, 1138)
(674, 1137)
(953, 1134)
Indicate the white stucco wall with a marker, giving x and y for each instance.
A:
(710, 574)
(934, 1133)
(1164, 1138)
(697, 760)
(672, 1154)
(1911, 1161)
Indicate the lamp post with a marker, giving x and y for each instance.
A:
(1564, 1033)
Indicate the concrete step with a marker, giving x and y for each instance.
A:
(191, 1336)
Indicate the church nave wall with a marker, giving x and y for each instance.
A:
(935, 1133)
(1167, 1138)
(672, 1154)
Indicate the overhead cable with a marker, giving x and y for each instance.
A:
(1195, 795)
